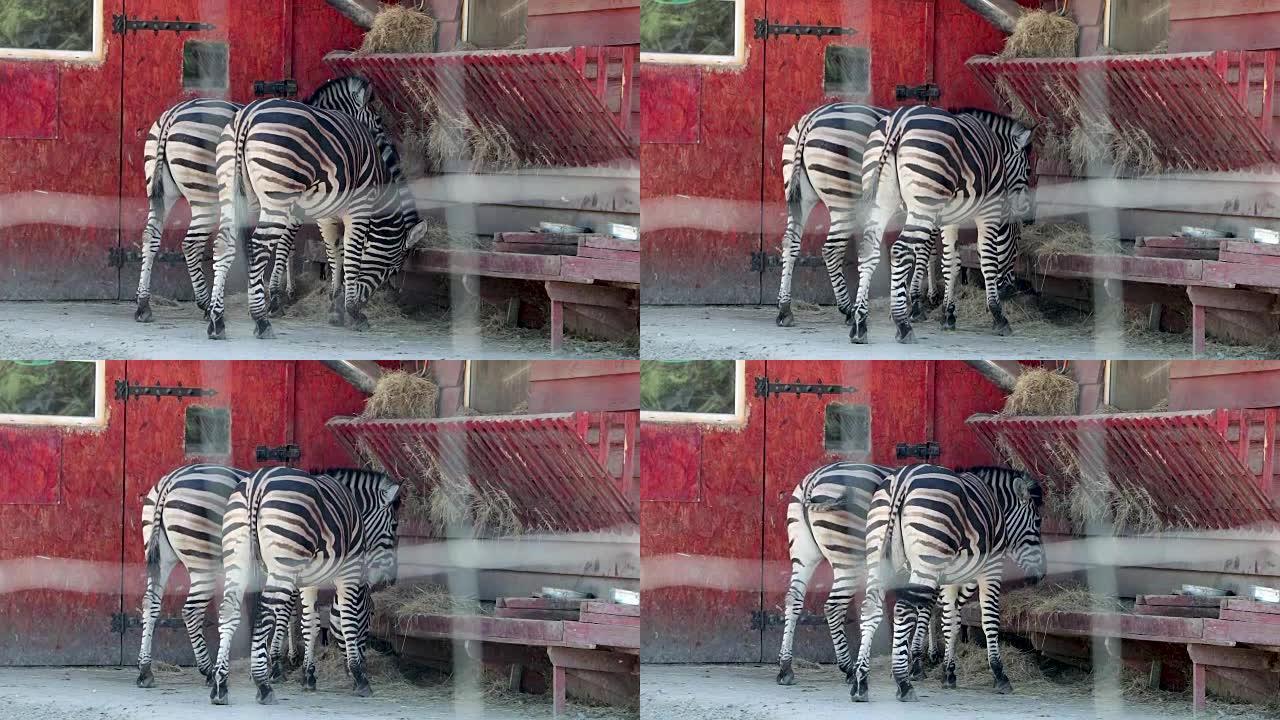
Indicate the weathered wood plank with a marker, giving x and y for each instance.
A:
(535, 249)
(1245, 632)
(1231, 298)
(1253, 606)
(1250, 248)
(1175, 611)
(536, 238)
(532, 614)
(601, 619)
(539, 603)
(476, 627)
(608, 242)
(1234, 657)
(1177, 253)
(600, 295)
(482, 262)
(589, 269)
(1181, 243)
(1251, 617)
(582, 634)
(1241, 274)
(605, 608)
(1179, 600)
(1252, 258)
(598, 660)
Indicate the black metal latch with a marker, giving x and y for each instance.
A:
(764, 29)
(125, 391)
(283, 453)
(924, 451)
(277, 88)
(926, 93)
(764, 388)
(121, 24)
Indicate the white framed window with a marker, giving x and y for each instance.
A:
(1136, 26)
(693, 32)
(53, 392)
(1137, 385)
(492, 24)
(695, 391)
(51, 29)
(496, 387)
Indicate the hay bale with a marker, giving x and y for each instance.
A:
(402, 395)
(1048, 240)
(402, 601)
(1039, 391)
(1042, 34)
(400, 29)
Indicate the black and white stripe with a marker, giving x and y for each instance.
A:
(936, 528)
(299, 162)
(306, 530)
(945, 168)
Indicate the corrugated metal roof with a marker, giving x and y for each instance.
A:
(556, 117)
(542, 462)
(1183, 460)
(1197, 120)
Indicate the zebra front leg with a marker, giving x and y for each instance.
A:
(950, 631)
(923, 621)
(993, 234)
(989, 598)
(805, 558)
(159, 566)
(348, 597)
(310, 629)
(202, 584)
(282, 253)
(871, 613)
(273, 229)
(355, 273)
(912, 600)
(331, 232)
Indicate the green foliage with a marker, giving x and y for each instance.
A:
(55, 388)
(700, 27)
(700, 386)
(46, 24)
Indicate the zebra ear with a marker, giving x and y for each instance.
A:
(417, 235)
(390, 494)
(1025, 485)
(1022, 137)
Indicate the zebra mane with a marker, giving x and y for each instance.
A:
(1001, 472)
(1002, 125)
(346, 84)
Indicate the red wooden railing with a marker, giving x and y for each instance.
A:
(615, 87)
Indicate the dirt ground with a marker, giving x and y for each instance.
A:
(107, 330)
(749, 692)
(749, 332)
(110, 694)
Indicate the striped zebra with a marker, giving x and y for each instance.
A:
(945, 168)
(306, 530)
(936, 528)
(178, 161)
(298, 162)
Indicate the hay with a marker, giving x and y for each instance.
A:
(402, 395)
(403, 601)
(161, 666)
(399, 29)
(438, 235)
(1048, 240)
(442, 137)
(973, 667)
(1039, 391)
(1050, 598)
(451, 503)
(1041, 34)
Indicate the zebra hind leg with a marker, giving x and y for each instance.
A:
(805, 558)
(160, 563)
(915, 598)
(872, 612)
(202, 586)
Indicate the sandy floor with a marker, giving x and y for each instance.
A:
(749, 332)
(90, 330)
(748, 692)
(110, 694)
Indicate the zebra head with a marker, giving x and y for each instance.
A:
(350, 94)
(377, 499)
(1020, 499)
(1015, 152)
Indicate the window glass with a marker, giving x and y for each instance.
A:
(208, 431)
(496, 23)
(48, 388)
(47, 25)
(1138, 385)
(204, 65)
(497, 386)
(1138, 25)
(846, 70)
(847, 428)
(689, 27)
(700, 386)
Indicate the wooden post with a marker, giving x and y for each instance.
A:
(1197, 330)
(1197, 686)
(557, 325)
(558, 691)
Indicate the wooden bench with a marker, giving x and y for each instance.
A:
(595, 276)
(591, 636)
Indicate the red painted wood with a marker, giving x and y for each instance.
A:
(670, 105)
(1233, 657)
(1246, 632)
(532, 603)
(1181, 243)
(587, 269)
(610, 619)
(317, 30)
(597, 660)
(1197, 687)
(1170, 611)
(1250, 606)
(1231, 299)
(671, 463)
(489, 629)
(1254, 31)
(620, 26)
(1249, 248)
(480, 262)
(528, 614)
(585, 634)
(598, 295)
(1251, 258)
(1179, 601)
(609, 243)
(631, 256)
(1266, 618)
(961, 392)
(33, 112)
(604, 608)
(1198, 343)
(1242, 274)
(1177, 253)
(67, 555)
(35, 476)
(558, 690)
(73, 180)
(320, 395)
(606, 392)
(565, 369)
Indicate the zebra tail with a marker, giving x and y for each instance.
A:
(155, 183)
(797, 168)
(872, 185)
(152, 551)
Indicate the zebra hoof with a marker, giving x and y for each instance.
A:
(785, 674)
(1003, 686)
(217, 328)
(359, 324)
(859, 692)
(143, 313)
(145, 678)
(208, 676)
(906, 335)
(362, 690)
(785, 318)
(858, 334)
(949, 681)
(277, 670)
(907, 693)
(1001, 328)
(263, 331)
(218, 694)
(337, 319)
(917, 669)
(266, 696)
(309, 679)
(949, 321)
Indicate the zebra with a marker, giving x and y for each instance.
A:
(297, 162)
(178, 161)
(306, 530)
(948, 529)
(946, 168)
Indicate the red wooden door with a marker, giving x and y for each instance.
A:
(249, 41)
(886, 43)
(253, 404)
(875, 405)
(61, 491)
(700, 548)
(700, 186)
(60, 150)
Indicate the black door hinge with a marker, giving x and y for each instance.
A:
(925, 93)
(121, 622)
(761, 260)
(121, 24)
(283, 453)
(924, 451)
(764, 620)
(765, 29)
(277, 88)
(117, 257)
(125, 391)
(764, 388)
